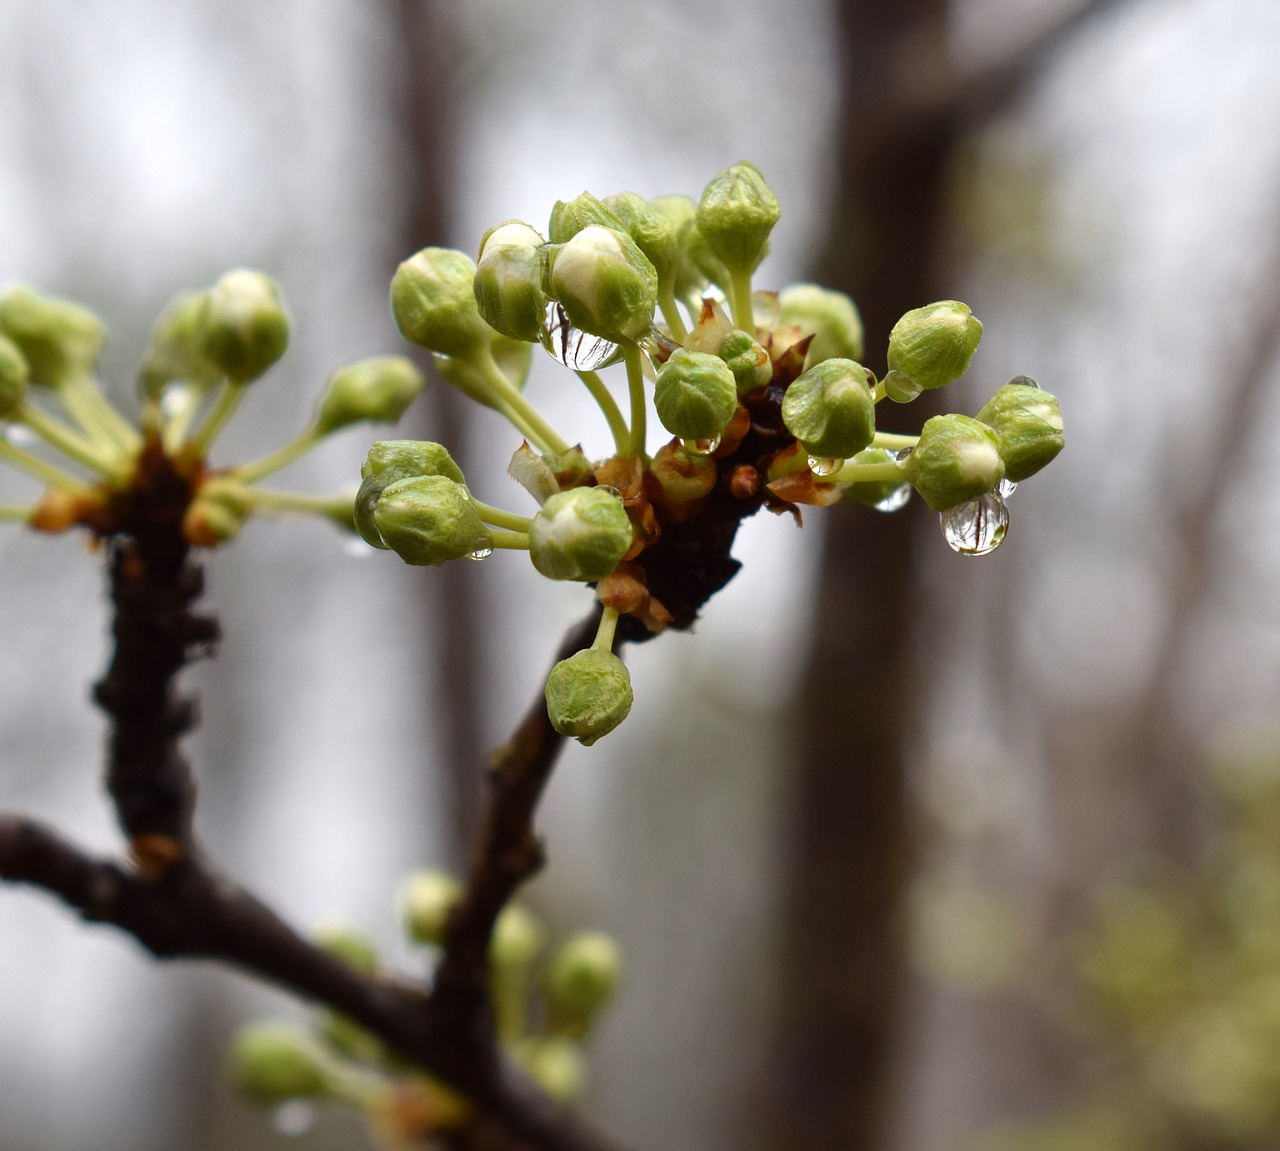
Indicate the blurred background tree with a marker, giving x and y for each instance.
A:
(1101, 191)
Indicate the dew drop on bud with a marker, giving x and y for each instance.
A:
(701, 447)
(901, 454)
(1007, 488)
(571, 347)
(978, 527)
(293, 1117)
(1025, 382)
(823, 468)
(896, 500)
(480, 554)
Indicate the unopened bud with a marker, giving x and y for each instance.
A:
(679, 212)
(651, 229)
(580, 534)
(246, 328)
(735, 216)
(555, 1064)
(956, 460)
(217, 513)
(177, 347)
(831, 409)
(932, 346)
(349, 944)
(1028, 423)
(56, 337)
(582, 978)
(831, 318)
(13, 378)
(569, 217)
(434, 303)
(273, 1062)
(378, 389)
(747, 360)
(683, 480)
(429, 520)
(695, 395)
(607, 285)
(428, 899)
(389, 461)
(588, 695)
(517, 938)
(508, 281)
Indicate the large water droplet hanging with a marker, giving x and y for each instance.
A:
(175, 400)
(480, 554)
(1007, 488)
(19, 435)
(293, 1117)
(978, 527)
(896, 500)
(572, 347)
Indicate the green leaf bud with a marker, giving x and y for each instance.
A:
(517, 938)
(933, 345)
(570, 217)
(56, 337)
(582, 978)
(831, 409)
(429, 520)
(508, 281)
(1028, 422)
(378, 389)
(830, 317)
(433, 300)
(580, 534)
(389, 461)
(680, 212)
(349, 944)
(652, 231)
(735, 216)
(588, 695)
(555, 1064)
(177, 347)
(13, 378)
(273, 1062)
(956, 460)
(607, 285)
(695, 395)
(747, 360)
(428, 899)
(246, 328)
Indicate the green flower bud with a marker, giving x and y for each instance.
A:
(588, 695)
(706, 264)
(747, 360)
(13, 378)
(956, 460)
(568, 218)
(1028, 422)
(217, 513)
(272, 1062)
(580, 534)
(246, 328)
(933, 345)
(177, 347)
(378, 389)
(56, 337)
(428, 899)
(680, 212)
(429, 520)
(651, 229)
(555, 1064)
(695, 395)
(606, 284)
(735, 216)
(517, 937)
(434, 303)
(389, 461)
(508, 281)
(831, 409)
(582, 978)
(349, 944)
(830, 317)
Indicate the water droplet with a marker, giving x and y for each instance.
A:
(823, 468)
(1025, 382)
(1007, 488)
(19, 435)
(978, 527)
(572, 347)
(896, 500)
(701, 447)
(356, 547)
(175, 400)
(293, 1117)
(901, 454)
(481, 554)
(766, 309)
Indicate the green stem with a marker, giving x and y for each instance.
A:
(95, 414)
(12, 514)
(671, 313)
(72, 445)
(635, 389)
(35, 466)
(535, 427)
(868, 473)
(893, 442)
(612, 413)
(879, 393)
(499, 518)
(512, 541)
(181, 410)
(224, 407)
(334, 506)
(740, 304)
(604, 633)
(281, 458)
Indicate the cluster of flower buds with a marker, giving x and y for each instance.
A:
(58, 426)
(546, 1003)
(764, 394)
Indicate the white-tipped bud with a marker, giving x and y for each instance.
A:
(1028, 423)
(956, 460)
(508, 281)
(580, 534)
(434, 303)
(831, 409)
(607, 285)
(246, 327)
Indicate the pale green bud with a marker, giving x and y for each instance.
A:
(246, 328)
(706, 264)
(378, 389)
(177, 347)
(735, 216)
(830, 317)
(555, 1064)
(569, 217)
(956, 460)
(933, 345)
(695, 395)
(517, 937)
(349, 944)
(747, 360)
(434, 303)
(56, 337)
(1028, 422)
(508, 281)
(588, 695)
(428, 899)
(680, 212)
(650, 229)
(580, 534)
(582, 978)
(273, 1062)
(13, 378)
(429, 520)
(606, 284)
(389, 461)
(831, 409)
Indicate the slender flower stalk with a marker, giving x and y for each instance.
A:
(96, 415)
(224, 407)
(609, 406)
(11, 513)
(891, 441)
(512, 541)
(868, 473)
(34, 466)
(498, 518)
(635, 389)
(280, 459)
(605, 632)
(519, 410)
(336, 506)
(740, 303)
(69, 442)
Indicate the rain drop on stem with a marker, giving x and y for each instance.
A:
(480, 554)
